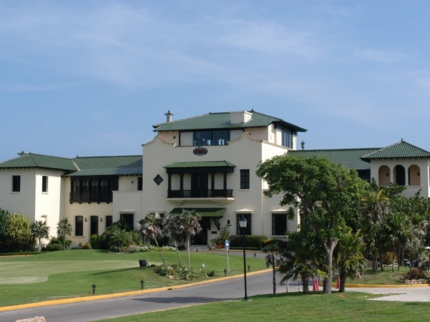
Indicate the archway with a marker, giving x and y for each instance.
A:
(399, 175)
(414, 175)
(384, 175)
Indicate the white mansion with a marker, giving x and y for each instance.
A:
(206, 163)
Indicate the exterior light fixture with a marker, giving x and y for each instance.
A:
(101, 219)
(142, 283)
(86, 219)
(94, 288)
(242, 225)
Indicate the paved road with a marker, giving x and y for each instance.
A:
(88, 311)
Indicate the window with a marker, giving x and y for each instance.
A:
(215, 137)
(279, 224)
(248, 228)
(94, 225)
(244, 179)
(139, 183)
(286, 136)
(79, 226)
(44, 183)
(108, 221)
(93, 189)
(16, 183)
(129, 221)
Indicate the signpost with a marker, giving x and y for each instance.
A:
(227, 246)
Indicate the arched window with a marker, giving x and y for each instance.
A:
(414, 175)
(384, 175)
(399, 175)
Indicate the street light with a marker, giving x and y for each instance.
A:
(242, 225)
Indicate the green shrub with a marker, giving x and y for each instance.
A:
(86, 246)
(415, 274)
(271, 241)
(254, 241)
(95, 242)
(163, 241)
(52, 247)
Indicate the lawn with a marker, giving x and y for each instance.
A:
(71, 273)
(349, 306)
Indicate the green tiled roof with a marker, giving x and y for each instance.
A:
(32, 160)
(200, 164)
(109, 165)
(349, 158)
(214, 121)
(398, 150)
(204, 212)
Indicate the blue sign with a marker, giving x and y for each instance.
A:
(227, 244)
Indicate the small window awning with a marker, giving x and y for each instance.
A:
(279, 211)
(203, 212)
(244, 211)
(200, 164)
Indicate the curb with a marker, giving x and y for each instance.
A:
(122, 294)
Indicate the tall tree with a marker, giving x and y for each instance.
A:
(349, 259)
(151, 227)
(173, 228)
(64, 228)
(39, 230)
(189, 225)
(325, 193)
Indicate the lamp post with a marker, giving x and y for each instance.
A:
(242, 224)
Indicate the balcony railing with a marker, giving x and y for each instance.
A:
(101, 196)
(221, 193)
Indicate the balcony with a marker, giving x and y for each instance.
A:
(90, 197)
(218, 193)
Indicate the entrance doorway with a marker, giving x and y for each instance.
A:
(199, 185)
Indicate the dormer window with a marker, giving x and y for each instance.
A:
(209, 137)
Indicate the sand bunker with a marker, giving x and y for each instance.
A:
(23, 280)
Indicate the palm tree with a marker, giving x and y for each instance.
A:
(350, 261)
(64, 228)
(375, 206)
(189, 225)
(121, 238)
(303, 261)
(39, 230)
(271, 249)
(151, 227)
(172, 227)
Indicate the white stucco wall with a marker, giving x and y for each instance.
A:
(245, 152)
(423, 165)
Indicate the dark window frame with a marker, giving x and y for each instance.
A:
(248, 229)
(16, 183)
(44, 184)
(109, 221)
(244, 179)
(278, 223)
(216, 137)
(139, 184)
(79, 226)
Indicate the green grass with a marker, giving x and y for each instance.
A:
(66, 274)
(386, 277)
(294, 307)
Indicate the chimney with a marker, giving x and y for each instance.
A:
(168, 116)
(241, 117)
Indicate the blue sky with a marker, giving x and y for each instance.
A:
(92, 77)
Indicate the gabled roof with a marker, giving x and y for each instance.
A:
(213, 121)
(33, 160)
(108, 165)
(200, 164)
(399, 150)
(349, 158)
